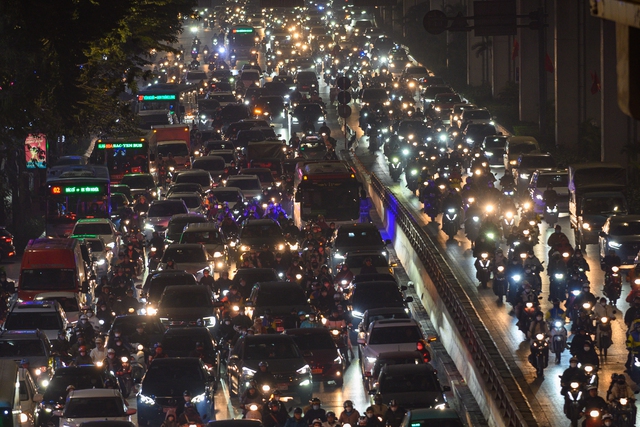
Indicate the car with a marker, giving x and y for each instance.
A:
(245, 137)
(291, 371)
(190, 257)
(355, 260)
(193, 200)
(70, 303)
(374, 96)
(127, 325)
(470, 115)
(271, 106)
(214, 165)
(412, 386)
(209, 235)
(93, 405)
(181, 342)
(248, 184)
(187, 305)
(517, 145)
(195, 176)
(223, 98)
(312, 147)
(101, 227)
(254, 275)
(55, 395)
(310, 112)
(387, 335)
(559, 179)
(424, 417)
(529, 163)
(443, 102)
(430, 93)
(229, 114)
(475, 133)
(374, 314)
(283, 299)
(165, 381)
(196, 77)
(140, 183)
(159, 215)
(352, 237)
(229, 155)
(276, 88)
(306, 81)
(178, 222)
(155, 284)
(231, 195)
(621, 233)
(367, 295)
(218, 145)
(411, 357)
(232, 131)
(264, 175)
(493, 148)
(457, 109)
(32, 345)
(414, 72)
(251, 95)
(7, 250)
(258, 232)
(321, 353)
(185, 187)
(101, 255)
(251, 78)
(46, 316)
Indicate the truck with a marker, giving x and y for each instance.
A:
(174, 139)
(595, 194)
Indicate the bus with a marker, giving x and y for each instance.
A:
(122, 156)
(78, 192)
(327, 188)
(242, 39)
(165, 104)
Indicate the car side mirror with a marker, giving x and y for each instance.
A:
(37, 398)
(446, 388)
(85, 287)
(403, 288)
(152, 157)
(298, 197)
(131, 411)
(408, 299)
(138, 286)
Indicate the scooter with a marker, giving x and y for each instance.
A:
(472, 228)
(573, 403)
(623, 411)
(591, 374)
(483, 269)
(539, 357)
(558, 286)
(395, 167)
(613, 285)
(551, 214)
(603, 335)
(451, 222)
(499, 283)
(125, 378)
(558, 338)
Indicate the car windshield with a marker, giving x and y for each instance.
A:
(524, 148)
(447, 99)
(416, 70)
(493, 143)
(253, 276)
(95, 245)
(369, 95)
(97, 407)
(357, 261)
(277, 349)
(192, 202)
(380, 362)
(312, 109)
(312, 143)
(157, 285)
(226, 196)
(49, 279)
(374, 295)
(431, 92)
(17, 321)
(631, 228)
(180, 299)
(166, 209)
(245, 184)
(57, 389)
(203, 179)
(68, 304)
(20, 348)
(185, 187)
(408, 383)
(179, 149)
(92, 228)
(358, 238)
(268, 230)
(394, 335)
(560, 180)
(228, 157)
(210, 237)
(442, 422)
(263, 175)
(180, 255)
(476, 115)
(227, 97)
(209, 163)
(310, 342)
(208, 104)
(177, 345)
(161, 379)
(138, 181)
(538, 162)
(234, 112)
(196, 75)
(280, 296)
(177, 226)
(128, 324)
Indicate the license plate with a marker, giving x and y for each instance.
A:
(316, 371)
(282, 387)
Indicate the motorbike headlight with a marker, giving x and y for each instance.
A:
(614, 245)
(558, 276)
(245, 248)
(148, 226)
(248, 372)
(210, 321)
(558, 324)
(574, 385)
(594, 413)
(395, 160)
(304, 370)
(539, 337)
(217, 254)
(623, 401)
(151, 311)
(101, 262)
(586, 226)
(516, 277)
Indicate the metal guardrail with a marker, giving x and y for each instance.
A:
(502, 386)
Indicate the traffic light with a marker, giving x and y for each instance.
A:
(344, 97)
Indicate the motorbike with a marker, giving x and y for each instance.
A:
(472, 228)
(508, 222)
(612, 285)
(591, 374)
(514, 282)
(623, 412)
(138, 362)
(558, 286)
(253, 412)
(499, 283)
(125, 378)
(558, 338)
(483, 269)
(593, 418)
(532, 275)
(603, 335)
(154, 258)
(539, 357)
(551, 214)
(431, 207)
(451, 222)
(573, 403)
(340, 337)
(395, 167)
(233, 60)
(528, 313)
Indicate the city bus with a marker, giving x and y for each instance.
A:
(242, 39)
(122, 156)
(166, 104)
(327, 188)
(76, 193)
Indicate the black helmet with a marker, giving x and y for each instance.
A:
(263, 363)
(186, 393)
(297, 410)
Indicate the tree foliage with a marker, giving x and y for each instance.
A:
(65, 64)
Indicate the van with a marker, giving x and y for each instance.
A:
(53, 265)
(18, 396)
(517, 145)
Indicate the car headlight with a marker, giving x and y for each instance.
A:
(338, 256)
(356, 313)
(293, 246)
(245, 248)
(210, 321)
(586, 226)
(513, 162)
(441, 406)
(111, 245)
(146, 400)
(148, 227)
(248, 372)
(101, 261)
(615, 245)
(371, 359)
(150, 311)
(524, 175)
(217, 254)
(304, 370)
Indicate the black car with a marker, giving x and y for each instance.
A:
(312, 113)
(257, 232)
(55, 395)
(368, 295)
(255, 275)
(229, 114)
(412, 386)
(7, 250)
(351, 237)
(126, 324)
(286, 363)
(163, 385)
(155, 284)
(181, 342)
(283, 299)
(272, 106)
(187, 305)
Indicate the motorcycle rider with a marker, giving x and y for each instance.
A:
(395, 414)
(587, 354)
(632, 312)
(311, 322)
(602, 309)
(372, 420)
(83, 357)
(593, 401)
(578, 263)
(379, 408)
(140, 336)
(550, 196)
(538, 326)
(207, 279)
(250, 395)
(296, 420)
(264, 375)
(350, 415)
(558, 238)
(572, 374)
(507, 181)
(314, 411)
(555, 312)
(99, 353)
(274, 416)
(332, 420)
(423, 348)
(112, 363)
(344, 274)
(223, 283)
(610, 260)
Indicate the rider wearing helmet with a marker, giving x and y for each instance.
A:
(83, 357)
(264, 375)
(350, 415)
(314, 411)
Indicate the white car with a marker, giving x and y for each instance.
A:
(387, 335)
(248, 184)
(102, 253)
(101, 227)
(160, 212)
(224, 98)
(96, 404)
(70, 302)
